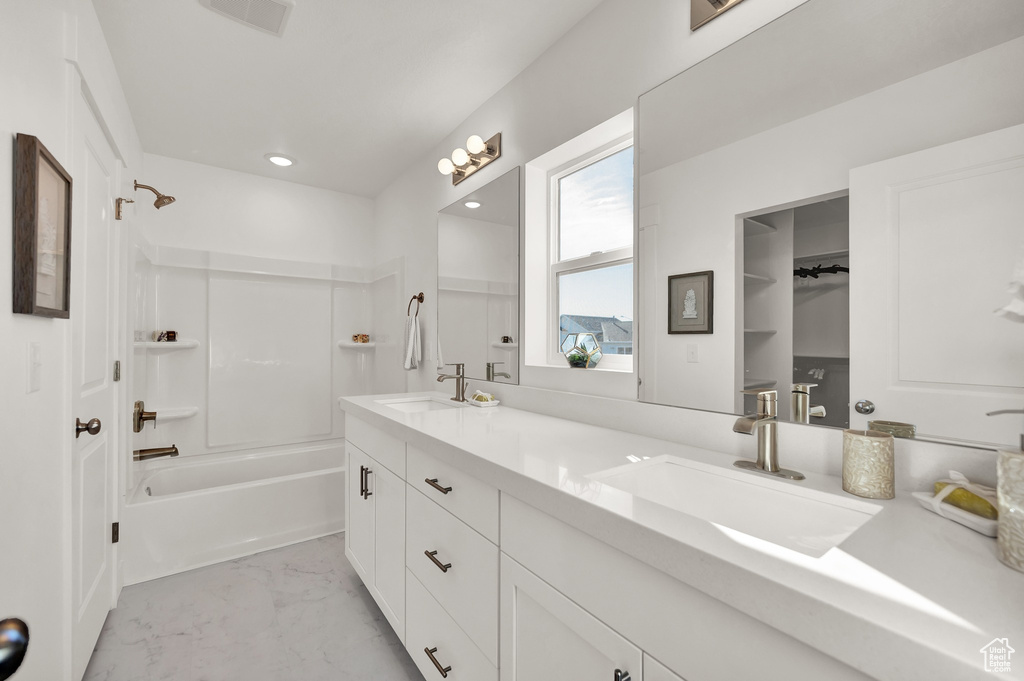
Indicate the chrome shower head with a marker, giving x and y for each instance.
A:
(161, 199)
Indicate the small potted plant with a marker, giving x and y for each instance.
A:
(577, 360)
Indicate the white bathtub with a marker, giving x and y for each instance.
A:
(185, 514)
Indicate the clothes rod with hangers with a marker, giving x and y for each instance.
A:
(813, 272)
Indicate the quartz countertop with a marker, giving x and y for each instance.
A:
(921, 593)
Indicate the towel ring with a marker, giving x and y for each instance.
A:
(419, 299)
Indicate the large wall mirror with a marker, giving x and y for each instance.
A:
(478, 281)
(853, 175)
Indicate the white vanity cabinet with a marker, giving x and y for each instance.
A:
(547, 637)
(375, 513)
(656, 671)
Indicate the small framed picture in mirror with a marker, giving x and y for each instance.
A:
(703, 11)
(691, 302)
(42, 231)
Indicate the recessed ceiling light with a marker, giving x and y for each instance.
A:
(472, 204)
(279, 160)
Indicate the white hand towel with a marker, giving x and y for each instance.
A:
(412, 343)
(440, 355)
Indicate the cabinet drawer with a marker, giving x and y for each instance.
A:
(429, 627)
(468, 589)
(475, 502)
(387, 449)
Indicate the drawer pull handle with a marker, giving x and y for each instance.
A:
(366, 484)
(362, 481)
(621, 675)
(443, 567)
(433, 483)
(443, 670)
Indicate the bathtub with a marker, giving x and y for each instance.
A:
(183, 514)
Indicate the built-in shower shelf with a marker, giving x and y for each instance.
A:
(349, 345)
(752, 227)
(754, 383)
(761, 331)
(175, 414)
(757, 279)
(183, 344)
(505, 346)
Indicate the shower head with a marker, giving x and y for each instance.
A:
(161, 199)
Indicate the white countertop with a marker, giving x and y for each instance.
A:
(919, 592)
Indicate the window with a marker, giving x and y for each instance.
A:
(590, 280)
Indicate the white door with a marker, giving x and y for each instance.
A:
(547, 637)
(389, 544)
(925, 346)
(94, 300)
(358, 515)
(655, 671)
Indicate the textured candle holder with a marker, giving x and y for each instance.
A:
(869, 464)
(1010, 496)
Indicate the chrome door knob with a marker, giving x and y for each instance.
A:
(13, 645)
(92, 427)
(865, 407)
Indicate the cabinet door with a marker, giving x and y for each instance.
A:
(358, 515)
(655, 671)
(387, 491)
(547, 637)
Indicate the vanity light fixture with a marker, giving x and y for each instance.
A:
(465, 162)
(472, 204)
(279, 160)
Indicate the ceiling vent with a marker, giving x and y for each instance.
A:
(269, 16)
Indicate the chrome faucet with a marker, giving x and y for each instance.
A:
(460, 381)
(800, 402)
(492, 374)
(765, 422)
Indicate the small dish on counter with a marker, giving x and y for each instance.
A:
(491, 403)
(975, 522)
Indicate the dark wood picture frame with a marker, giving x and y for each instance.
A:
(703, 286)
(42, 231)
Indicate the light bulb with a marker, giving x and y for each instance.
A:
(445, 166)
(475, 144)
(279, 160)
(472, 204)
(460, 157)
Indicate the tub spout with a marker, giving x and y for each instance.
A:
(154, 452)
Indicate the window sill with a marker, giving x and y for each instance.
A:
(600, 368)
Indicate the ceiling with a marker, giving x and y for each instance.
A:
(354, 91)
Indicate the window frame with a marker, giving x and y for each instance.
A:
(594, 261)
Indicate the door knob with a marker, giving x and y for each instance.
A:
(13, 644)
(92, 427)
(865, 407)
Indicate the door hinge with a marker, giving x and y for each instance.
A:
(117, 371)
(115, 533)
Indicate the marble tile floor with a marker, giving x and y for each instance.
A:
(298, 613)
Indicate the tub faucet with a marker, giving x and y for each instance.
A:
(492, 374)
(765, 422)
(460, 381)
(154, 452)
(140, 416)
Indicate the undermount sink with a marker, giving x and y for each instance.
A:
(416, 404)
(786, 514)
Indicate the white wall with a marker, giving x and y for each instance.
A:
(806, 158)
(597, 70)
(231, 212)
(43, 44)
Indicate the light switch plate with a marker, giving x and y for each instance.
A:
(691, 353)
(34, 367)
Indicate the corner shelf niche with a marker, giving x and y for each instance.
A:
(349, 345)
(757, 279)
(183, 344)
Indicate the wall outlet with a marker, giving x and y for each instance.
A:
(691, 353)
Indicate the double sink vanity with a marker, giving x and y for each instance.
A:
(506, 544)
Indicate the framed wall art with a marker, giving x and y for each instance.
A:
(42, 231)
(691, 302)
